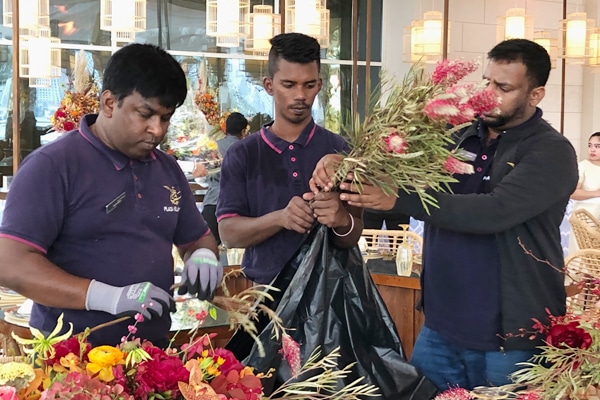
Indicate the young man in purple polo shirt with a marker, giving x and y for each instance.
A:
(90, 219)
(263, 204)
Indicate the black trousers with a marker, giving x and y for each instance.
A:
(208, 212)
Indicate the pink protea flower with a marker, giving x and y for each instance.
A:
(448, 72)
(455, 166)
(455, 394)
(395, 143)
(291, 353)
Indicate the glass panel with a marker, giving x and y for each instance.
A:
(180, 26)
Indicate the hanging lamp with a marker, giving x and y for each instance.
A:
(263, 24)
(545, 39)
(423, 38)
(575, 33)
(123, 19)
(39, 58)
(226, 21)
(594, 60)
(310, 17)
(515, 24)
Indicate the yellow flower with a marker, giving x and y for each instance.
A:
(16, 374)
(102, 359)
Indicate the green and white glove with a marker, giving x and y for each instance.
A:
(144, 298)
(201, 275)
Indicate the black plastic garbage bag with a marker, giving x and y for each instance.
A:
(328, 299)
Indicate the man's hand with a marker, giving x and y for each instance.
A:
(371, 197)
(328, 209)
(201, 275)
(297, 216)
(143, 298)
(322, 177)
(199, 170)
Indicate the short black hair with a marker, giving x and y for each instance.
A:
(534, 56)
(148, 70)
(293, 47)
(595, 134)
(235, 123)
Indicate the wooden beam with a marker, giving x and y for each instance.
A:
(563, 75)
(445, 37)
(16, 94)
(354, 104)
(368, 59)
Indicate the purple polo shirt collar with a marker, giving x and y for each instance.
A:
(118, 159)
(279, 145)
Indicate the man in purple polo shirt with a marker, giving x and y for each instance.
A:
(263, 203)
(90, 219)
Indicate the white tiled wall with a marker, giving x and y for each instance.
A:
(473, 32)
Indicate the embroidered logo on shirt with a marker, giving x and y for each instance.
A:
(174, 197)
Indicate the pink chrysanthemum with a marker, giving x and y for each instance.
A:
(395, 143)
(455, 166)
(455, 394)
(291, 353)
(448, 72)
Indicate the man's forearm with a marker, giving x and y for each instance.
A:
(242, 232)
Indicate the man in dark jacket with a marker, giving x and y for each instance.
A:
(488, 245)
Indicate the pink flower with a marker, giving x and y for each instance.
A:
(132, 329)
(455, 394)
(448, 72)
(484, 101)
(231, 363)
(291, 353)
(455, 166)
(70, 345)
(8, 393)
(139, 317)
(395, 143)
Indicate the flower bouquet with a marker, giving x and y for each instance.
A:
(187, 137)
(80, 99)
(66, 366)
(402, 142)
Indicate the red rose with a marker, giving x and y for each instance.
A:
(68, 126)
(59, 114)
(71, 345)
(569, 336)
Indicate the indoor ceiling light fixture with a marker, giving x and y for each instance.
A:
(423, 38)
(310, 17)
(545, 39)
(263, 24)
(35, 14)
(515, 24)
(594, 60)
(39, 58)
(226, 21)
(575, 33)
(124, 19)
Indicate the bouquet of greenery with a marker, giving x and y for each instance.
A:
(403, 142)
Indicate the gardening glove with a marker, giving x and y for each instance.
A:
(201, 274)
(144, 298)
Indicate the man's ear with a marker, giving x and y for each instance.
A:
(107, 103)
(268, 85)
(536, 95)
(320, 84)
